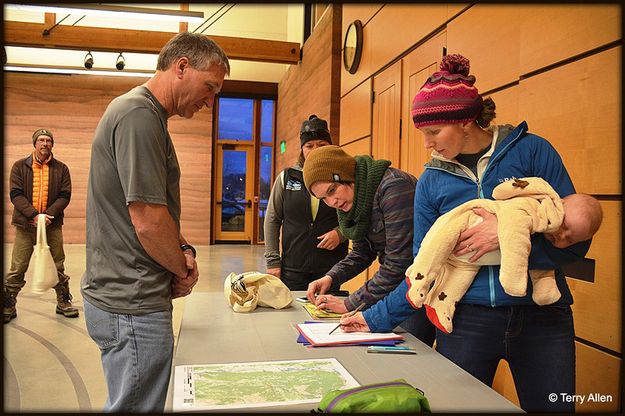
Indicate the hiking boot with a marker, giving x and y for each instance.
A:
(9, 307)
(64, 305)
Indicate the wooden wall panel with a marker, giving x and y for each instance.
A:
(551, 33)
(356, 113)
(577, 108)
(397, 27)
(392, 31)
(597, 372)
(358, 147)
(309, 88)
(71, 107)
(455, 8)
(507, 106)
(288, 120)
(491, 47)
(602, 298)
(356, 282)
(357, 11)
(503, 382)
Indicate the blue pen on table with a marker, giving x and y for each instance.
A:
(397, 349)
(352, 313)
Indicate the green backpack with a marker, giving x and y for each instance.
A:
(395, 396)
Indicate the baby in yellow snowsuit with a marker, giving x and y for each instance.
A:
(523, 207)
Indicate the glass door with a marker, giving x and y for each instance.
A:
(234, 193)
(245, 129)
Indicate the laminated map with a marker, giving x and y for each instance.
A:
(257, 384)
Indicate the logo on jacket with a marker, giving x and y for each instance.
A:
(293, 185)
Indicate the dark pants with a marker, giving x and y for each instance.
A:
(25, 239)
(536, 341)
(300, 280)
(420, 327)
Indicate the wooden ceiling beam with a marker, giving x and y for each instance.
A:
(140, 41)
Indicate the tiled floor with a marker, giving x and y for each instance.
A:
(51, 364)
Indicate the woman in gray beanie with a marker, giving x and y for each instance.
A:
(374, 205)
(311, 240)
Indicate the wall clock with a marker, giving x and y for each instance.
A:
(352, 46)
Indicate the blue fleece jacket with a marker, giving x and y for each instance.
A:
(446, 184)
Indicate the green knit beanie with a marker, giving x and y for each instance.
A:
(42, 132)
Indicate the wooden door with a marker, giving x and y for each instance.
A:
(417, 67)
(387, 114)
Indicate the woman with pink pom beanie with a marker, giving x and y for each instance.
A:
(470, 157)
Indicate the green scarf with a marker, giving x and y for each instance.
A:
(355, 223)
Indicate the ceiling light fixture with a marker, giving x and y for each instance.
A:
(75, 70)
(88, 60)
(121, 62)
(94, 9)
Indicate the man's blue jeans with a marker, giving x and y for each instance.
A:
(137, 352)
(536, 341)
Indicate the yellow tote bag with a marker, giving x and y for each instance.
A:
(45, 276)
(245, 291)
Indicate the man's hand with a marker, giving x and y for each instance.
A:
(274, 271)
(49, 219)
(479, 239)
(182, 285)
(330, 303)
(318, 286)
(329, 240)
(354, 323)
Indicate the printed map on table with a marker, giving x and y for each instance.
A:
(257, 384)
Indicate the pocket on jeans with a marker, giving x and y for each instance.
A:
(562, 310)
(103, 327)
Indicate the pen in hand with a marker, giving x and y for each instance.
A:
(352, 313)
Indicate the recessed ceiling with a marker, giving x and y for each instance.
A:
(280, 22)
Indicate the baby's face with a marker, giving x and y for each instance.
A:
(574, 228)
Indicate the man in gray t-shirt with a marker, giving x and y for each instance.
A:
(137, 259)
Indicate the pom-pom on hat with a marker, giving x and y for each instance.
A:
(329, 164)
(42, 132)
(448, 96)
(314, 129)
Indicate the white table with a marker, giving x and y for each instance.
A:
(212, 333)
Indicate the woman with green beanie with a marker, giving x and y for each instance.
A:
(374, 204)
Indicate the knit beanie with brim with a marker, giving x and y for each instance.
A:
(448, 96)
(314, 128)
(42, 132)
(329, 164)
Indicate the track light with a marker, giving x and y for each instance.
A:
(121, 62)
(88, 60)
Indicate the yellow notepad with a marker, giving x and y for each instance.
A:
(319, 313)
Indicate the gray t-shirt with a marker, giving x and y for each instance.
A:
(132, 159)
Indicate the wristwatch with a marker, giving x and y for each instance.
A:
(184, 247)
